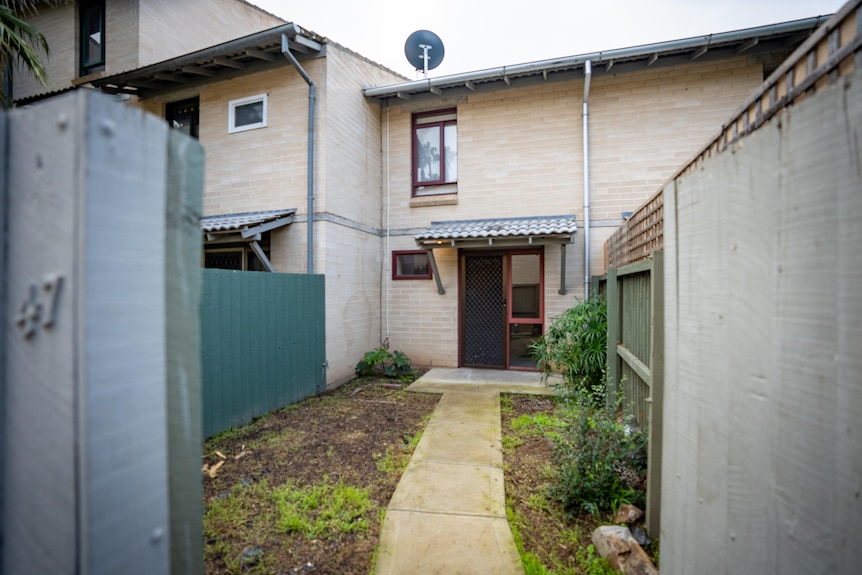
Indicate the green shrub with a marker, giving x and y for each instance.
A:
(383, 363)
(575, 346)
(599, 460)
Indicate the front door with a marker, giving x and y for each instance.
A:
(501, 308)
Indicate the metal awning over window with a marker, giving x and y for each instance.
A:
(246, 227)
(499, 233)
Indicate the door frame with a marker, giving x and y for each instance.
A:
(506, 318)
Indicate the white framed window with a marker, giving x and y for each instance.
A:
(246, 113)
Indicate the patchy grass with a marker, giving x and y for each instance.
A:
(301, 489)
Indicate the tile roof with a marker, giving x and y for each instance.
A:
(499, 228)
(229, 222)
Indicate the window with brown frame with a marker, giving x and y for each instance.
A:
(184, 116)
(91, 48)
(411, 265)
(435, 152)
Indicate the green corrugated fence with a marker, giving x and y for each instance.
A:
(262, 344)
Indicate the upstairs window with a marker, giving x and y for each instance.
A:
(247, 113)
(183, 116)
(435, 151)
(92, 36)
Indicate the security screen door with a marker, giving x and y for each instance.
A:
(501, 308)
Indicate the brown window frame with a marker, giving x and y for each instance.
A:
(416, 123)
(86, 9)
(191, 108)
(397, 276)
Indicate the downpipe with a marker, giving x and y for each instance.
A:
(285, 49)
(588, 72)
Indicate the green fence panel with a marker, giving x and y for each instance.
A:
(262, 342)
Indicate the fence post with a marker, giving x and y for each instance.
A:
(613, 300)
(3, 322)
(183, 290)
(94, 273)
(653, 504)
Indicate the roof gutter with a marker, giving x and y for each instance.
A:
(598, 57)
(285, 49)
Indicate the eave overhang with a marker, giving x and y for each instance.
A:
(779, 39)
(253, 53)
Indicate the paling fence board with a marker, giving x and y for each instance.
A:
(98, 257)
(263, 344)
(762, 464)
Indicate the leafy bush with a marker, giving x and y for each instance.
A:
(383, 363)
(599, 459)
(575, 346)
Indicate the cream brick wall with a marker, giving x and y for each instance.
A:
(169, 28)
(62, 60)
(520, 154)
(351, 169)
(138, 33)
(353, 137)
(261, 169)
(265, 169)
(416, 319)
(122, 38)
(60, 28)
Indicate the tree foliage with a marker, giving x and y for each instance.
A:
(575, 346)
(21, 44)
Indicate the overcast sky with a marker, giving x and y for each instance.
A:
(479, 34)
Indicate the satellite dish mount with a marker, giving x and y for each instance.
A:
(424, 50)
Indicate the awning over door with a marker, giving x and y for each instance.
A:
(504, 232)
(246, 227)
(498, 233)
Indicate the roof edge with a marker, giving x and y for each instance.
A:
(606, 56)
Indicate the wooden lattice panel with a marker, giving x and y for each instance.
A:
(833, 51)
(640, 236)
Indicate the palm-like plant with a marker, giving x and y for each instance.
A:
(575, 346)
(21, 42)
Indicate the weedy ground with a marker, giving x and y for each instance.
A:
(304, 489)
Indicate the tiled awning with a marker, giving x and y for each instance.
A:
(503, 232)
(248, 223)
(246, 227)
(499, 233)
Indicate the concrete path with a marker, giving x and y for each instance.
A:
(448, 513)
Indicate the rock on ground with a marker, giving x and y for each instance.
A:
(616, 544)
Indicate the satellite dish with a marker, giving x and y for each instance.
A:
(424, 50)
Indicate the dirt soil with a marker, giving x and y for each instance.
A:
(354, 434)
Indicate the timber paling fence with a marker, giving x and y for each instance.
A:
(635, 298)
(760, 401)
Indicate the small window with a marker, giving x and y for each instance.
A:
(247, 113)
(235, 257)
(92, 36)
(184, 116)
(412, 265)
(435, 151)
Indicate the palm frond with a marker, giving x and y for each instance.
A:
(21, 42)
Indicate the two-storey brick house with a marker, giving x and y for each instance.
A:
(453, 217)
